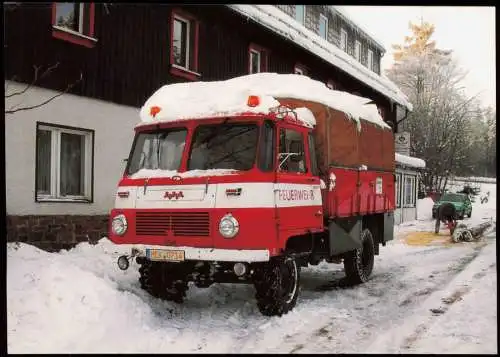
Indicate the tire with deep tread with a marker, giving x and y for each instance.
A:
(358, 264)
(161, 280)
(277, 286)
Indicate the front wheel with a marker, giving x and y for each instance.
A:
(277, 286)
(358, 264)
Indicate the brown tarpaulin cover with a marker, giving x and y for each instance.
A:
(339, 143)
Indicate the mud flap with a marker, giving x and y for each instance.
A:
(344, 235)
(388, 226)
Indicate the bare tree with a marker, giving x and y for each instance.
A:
(36, 78)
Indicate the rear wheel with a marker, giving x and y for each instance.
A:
(163, 280)
(358, 264)
(277, 286)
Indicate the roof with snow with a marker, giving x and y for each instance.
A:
(191, 100)
(409, 161)
(279, 22)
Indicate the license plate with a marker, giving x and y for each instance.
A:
(166, 255)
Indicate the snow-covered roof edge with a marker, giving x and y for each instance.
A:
(347, 18)
(409, 161)
(279, 22)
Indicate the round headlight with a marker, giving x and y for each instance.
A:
(228, 226)
(119, 225)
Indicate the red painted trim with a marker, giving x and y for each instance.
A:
(92, 19)
(54, 12)
(196, 42)
(184, 74)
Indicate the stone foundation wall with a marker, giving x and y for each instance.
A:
(53, 233)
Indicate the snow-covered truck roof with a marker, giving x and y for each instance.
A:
(280, 23)
(185, 101)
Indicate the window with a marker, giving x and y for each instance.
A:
(300, 69)
(300, 13)
(357, 50)
(257, 59)
(64, 163)
(398, 190)
(74, 22)
(184, 45)
(409, 191)
(343, 40)
(291, 152)
(370, 59)
(266, 149)
(219, 146)
(323, 26)
(157, 150)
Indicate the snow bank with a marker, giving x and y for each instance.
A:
(424, 208)
(410, 161)
(279, 22)
(181, 101)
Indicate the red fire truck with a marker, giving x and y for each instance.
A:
(251, 196)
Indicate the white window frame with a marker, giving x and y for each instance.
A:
(55, 159)
(369, 62)
(357, 50)
(259, 58)
(80, 21)
(343, 40)
(398, 190)
(188, 39)
(325, 19)
(412, 202)
(303, 19)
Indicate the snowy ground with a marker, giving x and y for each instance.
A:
(427, 297)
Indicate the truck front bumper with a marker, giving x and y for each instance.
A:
(204, 254)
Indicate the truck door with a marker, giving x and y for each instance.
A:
(297, 189)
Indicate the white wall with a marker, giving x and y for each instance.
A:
(113, 125)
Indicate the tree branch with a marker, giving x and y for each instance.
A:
(35, 79)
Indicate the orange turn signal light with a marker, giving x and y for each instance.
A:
(253, 101)
(154, 110)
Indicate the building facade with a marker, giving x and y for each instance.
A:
(77, 74)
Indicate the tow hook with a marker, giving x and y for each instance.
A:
(124, 260)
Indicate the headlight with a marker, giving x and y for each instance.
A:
(119, 225)
(228, 226)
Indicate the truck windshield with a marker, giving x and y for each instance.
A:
(158, 150)
(226, 146)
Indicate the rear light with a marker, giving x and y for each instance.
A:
(233, 192)
(123, 194)
(253, 101)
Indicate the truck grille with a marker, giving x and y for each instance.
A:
(177, 224)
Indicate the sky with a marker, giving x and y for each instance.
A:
(468, 31)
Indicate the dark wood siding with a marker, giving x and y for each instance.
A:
(132, 56)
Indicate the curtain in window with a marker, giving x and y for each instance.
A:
(44, 149)
(72, 165)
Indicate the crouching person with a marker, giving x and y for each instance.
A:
(446, 214)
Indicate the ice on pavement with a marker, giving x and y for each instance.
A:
(78, 301)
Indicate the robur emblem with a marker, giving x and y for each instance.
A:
(175, 195)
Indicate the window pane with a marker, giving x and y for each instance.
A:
(159, 150)
(299, 13)
(44, 151)
(230, 146)
(266, 150)
(291, 154)
(254, 62)
(72, 165)
(180, 43)
(323, 26)
(67, 15)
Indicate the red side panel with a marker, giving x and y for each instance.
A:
(342, 199)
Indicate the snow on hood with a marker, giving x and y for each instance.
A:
(146, 173)
(182, 101)
(279, 22)
(410, 161)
